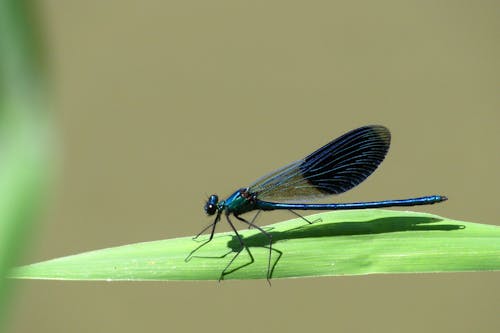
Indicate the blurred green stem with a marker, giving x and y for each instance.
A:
(23, 134)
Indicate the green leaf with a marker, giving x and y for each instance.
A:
(25, 136)
(343, 242)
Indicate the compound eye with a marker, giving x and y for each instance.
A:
(210, 209)
(211, 205)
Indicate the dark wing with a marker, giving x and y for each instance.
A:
(334, 168)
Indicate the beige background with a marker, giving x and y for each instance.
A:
(161, 103)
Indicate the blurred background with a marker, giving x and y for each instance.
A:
(158, 104)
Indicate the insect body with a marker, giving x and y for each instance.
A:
(332, 169)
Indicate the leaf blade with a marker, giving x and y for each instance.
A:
(344, 243)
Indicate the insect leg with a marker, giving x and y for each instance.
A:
(302, 217)
(224, 271)
(213, 224)
(268, 235)
(253, 219)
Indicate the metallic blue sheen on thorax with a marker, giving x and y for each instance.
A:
(239, 202)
